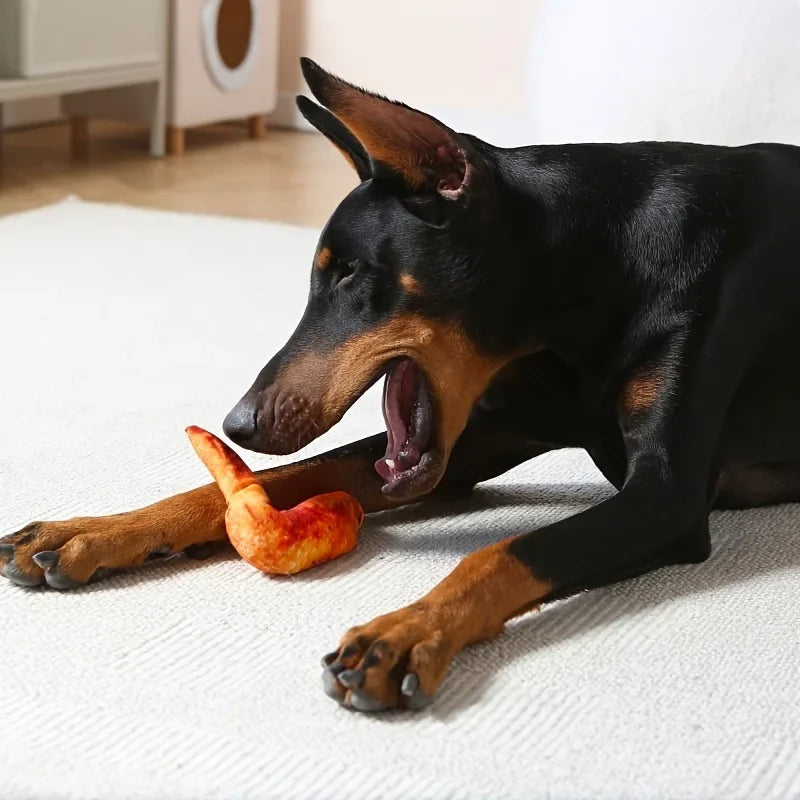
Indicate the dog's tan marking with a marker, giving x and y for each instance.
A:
(410, 284)
(470, 605)
(640, 393)
(123, 540)
(323, 258)
(486, 589)
(190, 518)
(458, 373)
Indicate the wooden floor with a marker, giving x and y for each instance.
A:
(289, 177)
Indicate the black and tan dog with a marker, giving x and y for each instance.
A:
(641, 301)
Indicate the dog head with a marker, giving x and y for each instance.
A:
(403, 285)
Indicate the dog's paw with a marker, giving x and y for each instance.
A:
(396, 661)
(16, 550)
(70, 553)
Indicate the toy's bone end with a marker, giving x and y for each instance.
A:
(225, 466)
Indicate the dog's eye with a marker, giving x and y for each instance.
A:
(345, 272)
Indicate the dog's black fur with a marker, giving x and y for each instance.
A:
(641, 301)
(654, 289)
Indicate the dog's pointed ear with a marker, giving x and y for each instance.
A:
(423, 152)
(337, 133)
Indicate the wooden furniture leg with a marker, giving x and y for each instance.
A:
(257, 126)
(176, 140)
(79, 137)
(158, 119)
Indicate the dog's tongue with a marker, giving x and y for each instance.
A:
(407, 411)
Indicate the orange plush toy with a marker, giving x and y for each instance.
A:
(279, 542)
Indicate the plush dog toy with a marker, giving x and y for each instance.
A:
(278, 542)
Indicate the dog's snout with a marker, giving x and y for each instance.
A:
(241, 423)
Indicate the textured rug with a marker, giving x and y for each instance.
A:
(185, 679)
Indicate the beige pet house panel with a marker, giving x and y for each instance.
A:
(223, 64)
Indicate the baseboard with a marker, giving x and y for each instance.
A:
(286, 114)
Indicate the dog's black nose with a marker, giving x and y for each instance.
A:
(240, 424)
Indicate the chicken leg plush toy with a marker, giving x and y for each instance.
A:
(279, 542)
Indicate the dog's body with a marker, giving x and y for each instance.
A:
(636, 300)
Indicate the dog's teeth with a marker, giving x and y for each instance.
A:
(385, 468)
(410, 455)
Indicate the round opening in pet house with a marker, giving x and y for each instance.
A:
(230, 43)
(234, 28)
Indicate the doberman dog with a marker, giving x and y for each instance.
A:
(640, 301)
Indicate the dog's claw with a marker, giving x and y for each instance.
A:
(414, 697)
(46, 558)
(55, 578)
(329, 658)
(330, 685)
(351, 678)
(410, 684)
(15, 575)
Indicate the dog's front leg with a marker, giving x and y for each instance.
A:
(68, 553)
(659, 517)
(401, 658)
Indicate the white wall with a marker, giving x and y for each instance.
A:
(517, 71)
(722, 71)
(463, 60)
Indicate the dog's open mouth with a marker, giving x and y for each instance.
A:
(408, 408)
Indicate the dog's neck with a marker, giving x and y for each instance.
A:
(553, 252)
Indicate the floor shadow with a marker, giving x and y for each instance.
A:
(505, 495)
(741, 552)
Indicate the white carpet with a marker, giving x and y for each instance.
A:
(201, 679)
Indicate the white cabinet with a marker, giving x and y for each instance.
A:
(64, 47)
(48, 37)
